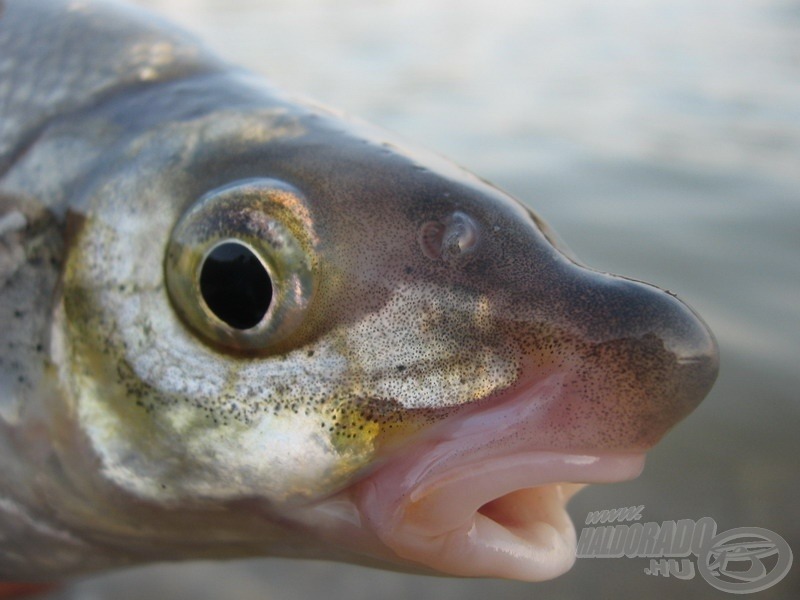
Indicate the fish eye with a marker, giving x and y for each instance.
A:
(240, 264)
(235, 285)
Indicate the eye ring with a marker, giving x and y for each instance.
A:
(253, 243)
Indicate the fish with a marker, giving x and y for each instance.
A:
(237, 323)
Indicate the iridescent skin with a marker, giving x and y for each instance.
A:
(412, 296)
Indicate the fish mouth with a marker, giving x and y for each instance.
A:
(504, 517)
(479, 499)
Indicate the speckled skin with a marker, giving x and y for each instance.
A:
(127, 434)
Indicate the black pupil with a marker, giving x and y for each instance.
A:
(235, 285)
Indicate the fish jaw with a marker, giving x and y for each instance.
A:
(478, 498)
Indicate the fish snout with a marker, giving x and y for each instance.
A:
(646, 361)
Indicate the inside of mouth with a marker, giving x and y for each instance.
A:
(523, 534)
(526, 513)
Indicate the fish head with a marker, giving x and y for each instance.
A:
(279, 333)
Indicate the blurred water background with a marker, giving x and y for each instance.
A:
(661, 139)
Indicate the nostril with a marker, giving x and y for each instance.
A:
(449, 239)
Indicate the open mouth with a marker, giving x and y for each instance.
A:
(480, 498)
(502, 517)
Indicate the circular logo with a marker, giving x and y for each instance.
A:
(737, 560)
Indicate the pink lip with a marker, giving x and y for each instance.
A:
(502, 517)
(480, 497)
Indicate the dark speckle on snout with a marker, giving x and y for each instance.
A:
(648, 361)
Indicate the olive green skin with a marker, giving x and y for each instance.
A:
(131, 430)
